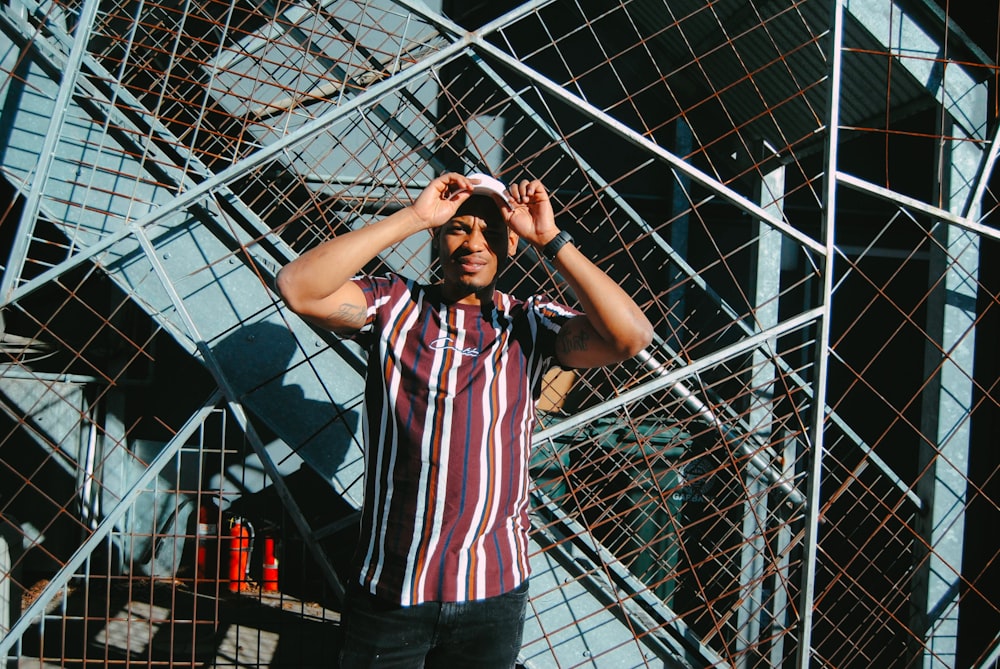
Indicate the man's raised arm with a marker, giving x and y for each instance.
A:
(317, 285)
(613, 328)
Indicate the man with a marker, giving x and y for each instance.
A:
(453, 372)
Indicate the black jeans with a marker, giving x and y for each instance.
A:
(484, 634)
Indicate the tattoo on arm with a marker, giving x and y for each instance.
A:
(577, 340)
(349, 315)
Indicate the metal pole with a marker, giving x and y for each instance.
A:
(821, 369)
(944, 452)
(766, 278)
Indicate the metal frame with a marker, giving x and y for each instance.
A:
(770, 478)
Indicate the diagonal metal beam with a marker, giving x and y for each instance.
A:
(237, 170)
(29, 213)
(639, 140)
(931, 211)
(669, 380)
(701, 283)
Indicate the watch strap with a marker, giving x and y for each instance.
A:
(552, 247)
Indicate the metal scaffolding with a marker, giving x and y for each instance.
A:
(799, 193)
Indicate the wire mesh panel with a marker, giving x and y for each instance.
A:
(799, 195)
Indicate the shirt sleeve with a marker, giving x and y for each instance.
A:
(549, 317)
(377, 291)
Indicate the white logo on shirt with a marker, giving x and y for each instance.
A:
(445, 342)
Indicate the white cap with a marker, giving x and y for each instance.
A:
(488, 186)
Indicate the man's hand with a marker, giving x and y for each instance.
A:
(529, 212)
(438, 202)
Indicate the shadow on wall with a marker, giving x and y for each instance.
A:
(264, 362)
(265, 366)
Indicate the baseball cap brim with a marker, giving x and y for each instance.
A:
(487, 185)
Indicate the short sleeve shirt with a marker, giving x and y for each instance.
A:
(449, 414)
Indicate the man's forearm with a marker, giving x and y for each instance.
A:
(613, 314)
(321, 271)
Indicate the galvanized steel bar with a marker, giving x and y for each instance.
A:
(699, 281)
(672, 379)
(907, 202)
(944, 454)
(765, 291)
(818, 421)
(685, 268)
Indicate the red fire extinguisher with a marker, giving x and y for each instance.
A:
(240, 544)
(270, 567)
(205, 537)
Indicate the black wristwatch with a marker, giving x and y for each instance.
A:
(552, 248)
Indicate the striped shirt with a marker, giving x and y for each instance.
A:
(449, 413)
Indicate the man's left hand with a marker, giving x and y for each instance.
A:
(529, 212)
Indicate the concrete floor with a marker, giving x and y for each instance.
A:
(164, 624)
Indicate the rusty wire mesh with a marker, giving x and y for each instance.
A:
(800, 471)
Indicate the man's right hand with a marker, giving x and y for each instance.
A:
(438, 202)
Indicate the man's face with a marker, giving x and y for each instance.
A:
(472, 249)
